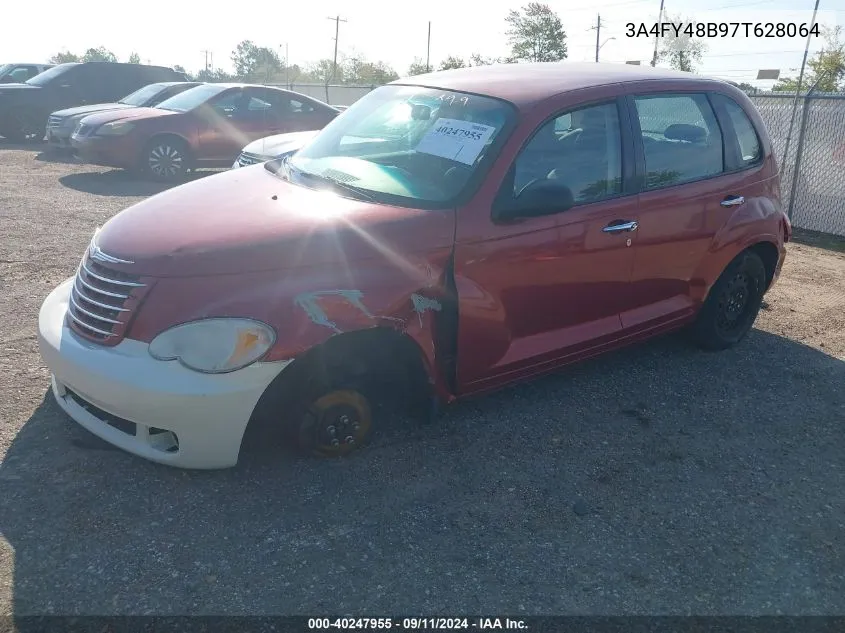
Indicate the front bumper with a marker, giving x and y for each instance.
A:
(166, 413)
(108, 151)
(59, 137)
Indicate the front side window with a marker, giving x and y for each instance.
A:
(681, 139)
(581, 150)
(62, 70)
(407, 144)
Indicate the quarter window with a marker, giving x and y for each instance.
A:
(746, 136)
(681, 139)
(581, 150)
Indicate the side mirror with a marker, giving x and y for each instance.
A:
(537, 198)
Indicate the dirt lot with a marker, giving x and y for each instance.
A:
(656, 480)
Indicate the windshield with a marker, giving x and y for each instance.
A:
(48, 75)
(192, 97)
(142, 96)
(408, 145)
(4, 68)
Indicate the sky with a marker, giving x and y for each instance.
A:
(170, 32)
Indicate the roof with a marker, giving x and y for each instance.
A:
(526, 84)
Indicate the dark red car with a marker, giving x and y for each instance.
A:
(443, 237)
(206, 126)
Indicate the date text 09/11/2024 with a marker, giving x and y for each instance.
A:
(722, 29)
(417, 624)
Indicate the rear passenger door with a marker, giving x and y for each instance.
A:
(684, 181)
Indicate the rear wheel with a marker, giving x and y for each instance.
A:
(166, 159)
(19, 126)
(335, 424)
(732, 304)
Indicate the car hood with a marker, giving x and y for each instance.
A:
(135, 114)
(90, 109)
(250, 220)
(273, 146)
(17, 87)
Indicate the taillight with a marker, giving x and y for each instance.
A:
(787, 229)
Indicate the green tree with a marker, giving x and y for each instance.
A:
(827, 67)
(681, 51)
(536, 34)
(452, 62)
(323, 71)
(476, 59)
(214, 76)
(134, 58)
(64, 57)
(99, 54)
(180, 69)
(357, 70)
(252, 61)
(417, 67)
(747, 88)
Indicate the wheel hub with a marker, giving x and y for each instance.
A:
(339, 425)
(165, 160)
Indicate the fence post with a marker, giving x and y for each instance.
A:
(800, 149)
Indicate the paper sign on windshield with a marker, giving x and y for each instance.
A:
(457, 140)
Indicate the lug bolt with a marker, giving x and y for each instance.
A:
(331, 430)
(356, 427)
(335, 442)
(350, 439)
(344, 419)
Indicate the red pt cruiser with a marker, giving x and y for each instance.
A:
(446, 235)
(206, 126)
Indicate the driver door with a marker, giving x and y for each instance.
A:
(543, 287)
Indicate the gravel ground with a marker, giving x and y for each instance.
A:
(656, 480)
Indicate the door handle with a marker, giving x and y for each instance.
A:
(619, 227)
(732, 201)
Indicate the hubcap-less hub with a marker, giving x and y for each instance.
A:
(734, 303)
(339, 425)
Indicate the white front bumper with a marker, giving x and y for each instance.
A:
(207, 413)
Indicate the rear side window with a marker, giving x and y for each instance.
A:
(746, 136)
(681, 139)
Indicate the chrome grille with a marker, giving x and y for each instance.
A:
(102, 300)
(247, 158)
(55, 121)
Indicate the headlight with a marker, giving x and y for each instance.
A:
(115, 128)
(214, 346)
(236, 164)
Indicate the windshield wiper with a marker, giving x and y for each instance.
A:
(337, 184)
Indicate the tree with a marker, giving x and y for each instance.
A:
(99, 54)
(251, 60)
(536, 34)
(214, 76)
(827, 67)
(64, 57)
(747, 88)
(323, 71)
(180, 69)
(417, 67)
(452, 62)
(681, 51)
(134, 58)
(357, 70)
(476, 59)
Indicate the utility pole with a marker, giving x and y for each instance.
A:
(657, 39)
(428, 50)
(598, 32)
(337, 22)
(206, 58)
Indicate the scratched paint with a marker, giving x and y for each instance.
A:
(422, 304)
(309, 302)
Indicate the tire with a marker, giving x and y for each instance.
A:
(732, 305)
(20, 127)
(166, 159)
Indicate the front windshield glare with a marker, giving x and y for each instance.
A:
(51, 73)
(406, 144)
(191, 98)
(142, 96)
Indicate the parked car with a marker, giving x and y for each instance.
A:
(502, 245)
(270, 147)
(18, 73)
(24, 107)
(61, 124)
(205, 126)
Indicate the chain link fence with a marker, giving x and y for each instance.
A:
(813, 165)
